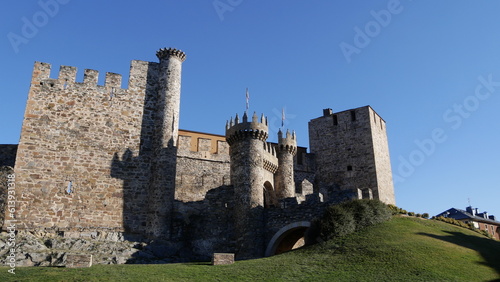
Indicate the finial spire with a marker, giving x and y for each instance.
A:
(254, 117)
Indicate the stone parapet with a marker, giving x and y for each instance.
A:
(238, 130)
(168, 52)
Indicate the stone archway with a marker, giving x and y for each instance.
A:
(269, 195)
(288, 238)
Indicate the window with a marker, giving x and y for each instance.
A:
(349, 168)
(335, 120)
(353, 115)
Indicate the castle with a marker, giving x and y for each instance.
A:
(98, 159)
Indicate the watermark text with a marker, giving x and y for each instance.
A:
(31, 25)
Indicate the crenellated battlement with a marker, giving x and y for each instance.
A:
(270, 158)
(239, 130)
(287, 143)
(270, 148)
(167, 52)
(66, 77)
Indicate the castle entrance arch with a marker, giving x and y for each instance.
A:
(289, 237)
(269, 195)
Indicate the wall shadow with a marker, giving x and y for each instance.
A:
(136, 171)
(489, 249)
(199, 229)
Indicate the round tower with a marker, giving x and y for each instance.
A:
(164, 156)
(169, 95)
(246, 140)
(286, 150)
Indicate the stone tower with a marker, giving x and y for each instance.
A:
(352, 153)
(286, 150)
(169, 96)
(166, 130)
(247, 140)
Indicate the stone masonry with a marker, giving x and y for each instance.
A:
(111, 162)
(352, 152)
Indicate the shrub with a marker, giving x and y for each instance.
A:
(462, 224)
(350, 216)
(394, 210)
(485, 233)
(411, 214)
(418, 215)
(336, 222)
(425, 215)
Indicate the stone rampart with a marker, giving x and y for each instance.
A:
(83, 158)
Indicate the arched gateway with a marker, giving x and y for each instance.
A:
(288, 238)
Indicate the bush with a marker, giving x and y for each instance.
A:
(411, 214)
(340, 220)
(462, 224)
(394, 210)
(425, 215)
(485, 233)
(336, 222)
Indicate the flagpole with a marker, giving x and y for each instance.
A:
(283, 117)
(247, 98)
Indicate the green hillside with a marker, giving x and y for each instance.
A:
(402, 249)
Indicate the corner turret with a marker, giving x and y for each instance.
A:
(286, 150)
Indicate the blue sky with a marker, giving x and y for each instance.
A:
(431, 69)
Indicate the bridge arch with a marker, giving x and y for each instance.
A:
(288, 238)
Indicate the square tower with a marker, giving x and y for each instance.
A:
(352, 153)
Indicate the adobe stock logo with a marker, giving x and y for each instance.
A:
(363, 37)
(223, 6)
(31, 26)
(454, 116)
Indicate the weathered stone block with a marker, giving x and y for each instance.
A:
(77, 261)
(222, 258)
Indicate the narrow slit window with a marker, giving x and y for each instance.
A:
(353, 115)
(349, 168)
(335, 120)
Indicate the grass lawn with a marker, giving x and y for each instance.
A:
(402, 249)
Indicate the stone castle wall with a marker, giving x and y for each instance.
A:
(346, 146)
(385, 186)
(201, 170)
(88, 135)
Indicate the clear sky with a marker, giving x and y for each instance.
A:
(431, 69)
